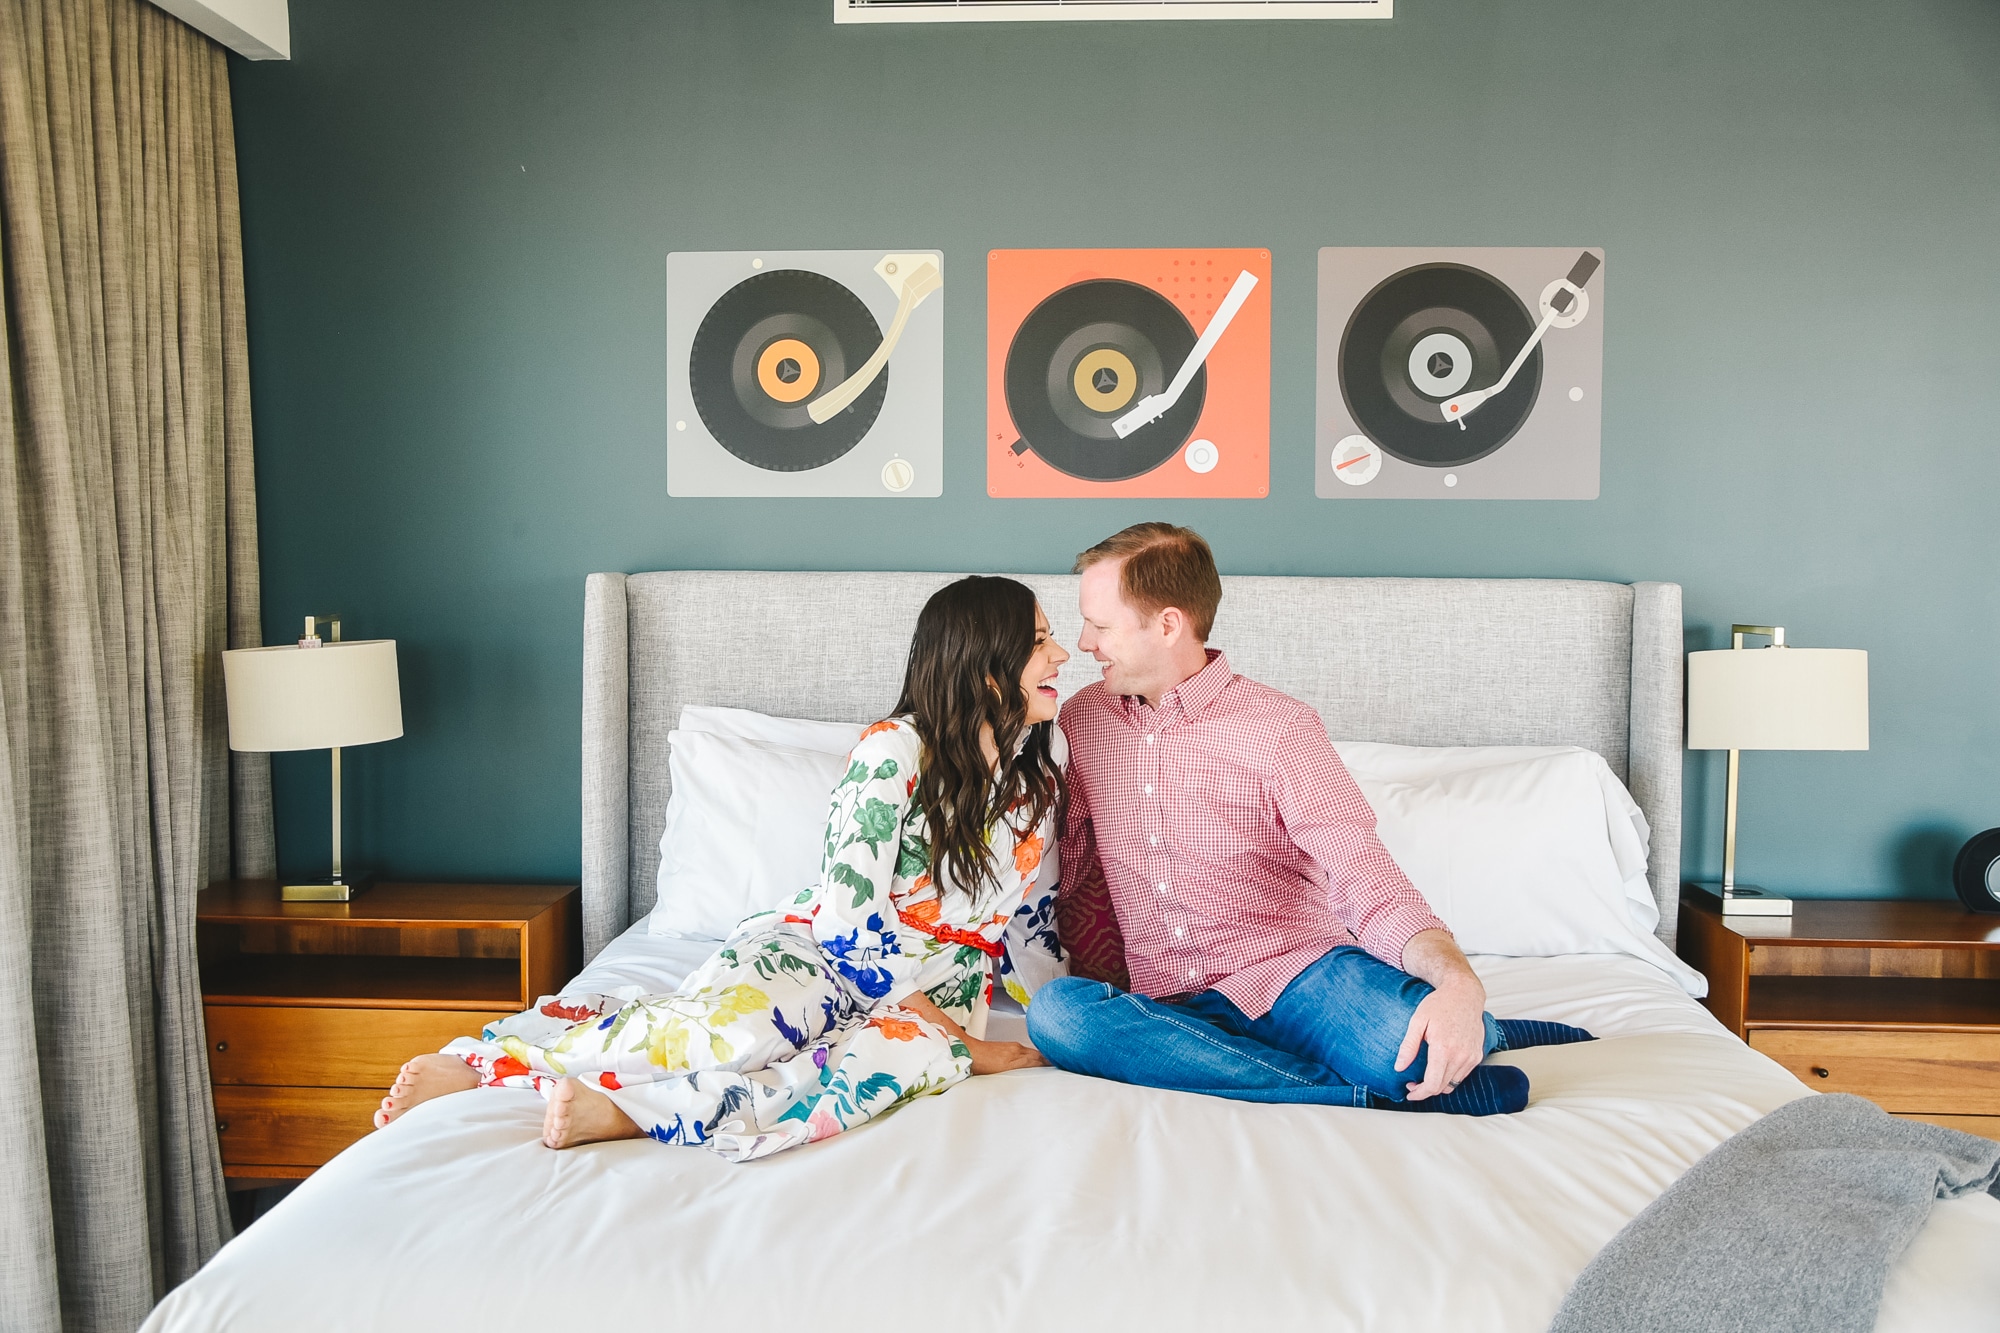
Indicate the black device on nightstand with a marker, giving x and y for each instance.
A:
(1976, 873)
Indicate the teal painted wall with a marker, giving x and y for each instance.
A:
(457, 215)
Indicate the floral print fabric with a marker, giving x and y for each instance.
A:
(792, 1030)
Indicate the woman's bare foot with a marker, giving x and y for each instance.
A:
(580, 1114)
(423, 1078)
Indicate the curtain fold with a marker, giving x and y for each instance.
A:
(128, 562)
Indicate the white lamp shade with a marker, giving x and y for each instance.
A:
(1778, 699)
(291, 698)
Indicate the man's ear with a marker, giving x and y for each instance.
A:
(1173, 624)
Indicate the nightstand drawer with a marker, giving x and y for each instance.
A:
(1985, 1126)
(1939, 1073)
(325, 1048)
(290, 1126)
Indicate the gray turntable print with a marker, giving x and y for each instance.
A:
(1468, 373)
(805, 373)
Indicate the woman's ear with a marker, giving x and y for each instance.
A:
(998, 695)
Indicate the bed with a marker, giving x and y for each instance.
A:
(1040, 1197)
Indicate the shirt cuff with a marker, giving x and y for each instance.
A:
(1390, 933)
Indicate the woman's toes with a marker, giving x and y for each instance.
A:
(555, 1117)
(421, 1079)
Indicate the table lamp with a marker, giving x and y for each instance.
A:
(316, 695)
(1774, 698)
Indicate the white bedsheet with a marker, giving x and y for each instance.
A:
(1043, 1200)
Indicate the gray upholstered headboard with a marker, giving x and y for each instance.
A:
(1408, 661)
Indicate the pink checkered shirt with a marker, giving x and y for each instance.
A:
(1235, 847)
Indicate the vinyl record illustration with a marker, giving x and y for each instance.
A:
(1081, 359)
(805, 373)
(1422, 338)
(1459, 373)
(767, 348)
(1128, 373)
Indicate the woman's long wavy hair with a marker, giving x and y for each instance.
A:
(972, 643)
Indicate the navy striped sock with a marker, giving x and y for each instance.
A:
(1518, 1034)
(1487, 1090)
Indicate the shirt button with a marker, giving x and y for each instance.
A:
(1149, 740)
(1149, 789)
(1163, 888)
(1154, 841)
(1180, 933)
(1192, 973)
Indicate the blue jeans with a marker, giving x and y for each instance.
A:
(1331, 1039)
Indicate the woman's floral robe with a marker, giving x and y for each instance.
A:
(792, 1031)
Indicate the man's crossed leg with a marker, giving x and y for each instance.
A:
(1332, 1039)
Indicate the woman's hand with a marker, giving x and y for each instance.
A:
(997, 1057)
(988, 1057)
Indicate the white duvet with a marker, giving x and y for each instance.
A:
(1040, 1200)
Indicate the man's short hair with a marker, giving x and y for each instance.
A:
(1164, 566)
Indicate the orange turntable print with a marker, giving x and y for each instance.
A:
(1128, 373)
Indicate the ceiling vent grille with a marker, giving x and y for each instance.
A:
(1057, 11)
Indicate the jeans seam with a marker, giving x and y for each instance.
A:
(1194, 1031)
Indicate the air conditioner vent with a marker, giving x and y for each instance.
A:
(1058, 11)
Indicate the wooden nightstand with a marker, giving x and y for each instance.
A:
(312, 1007)
(1896, 1001)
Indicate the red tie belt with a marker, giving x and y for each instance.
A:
(952, 935)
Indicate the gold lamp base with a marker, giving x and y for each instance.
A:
(319, 893)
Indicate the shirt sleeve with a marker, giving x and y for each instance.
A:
(855, 917)
(1031, 954)
(1327, 817)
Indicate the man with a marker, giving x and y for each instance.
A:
(1275, 952)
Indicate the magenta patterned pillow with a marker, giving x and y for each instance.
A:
(1088, 927)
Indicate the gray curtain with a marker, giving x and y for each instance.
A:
(128, 562)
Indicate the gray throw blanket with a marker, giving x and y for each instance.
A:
(1791, 1224)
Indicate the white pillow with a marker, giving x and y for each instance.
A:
(1527, 851)
(797, 732)
(746, 830)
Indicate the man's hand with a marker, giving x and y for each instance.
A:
(1451, 1018)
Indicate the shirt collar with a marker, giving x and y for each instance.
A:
(1197, 691)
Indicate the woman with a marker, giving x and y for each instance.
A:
(871, 989)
